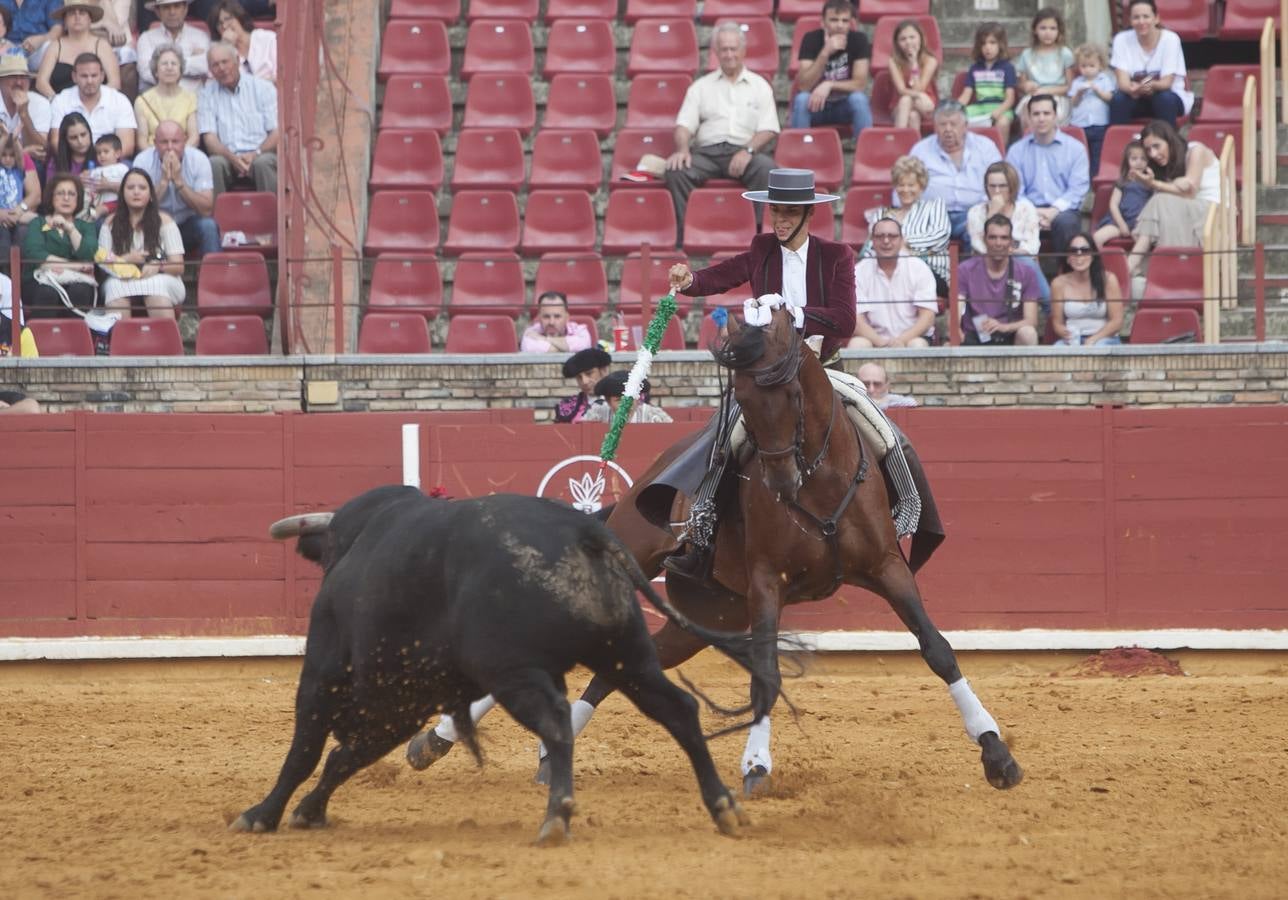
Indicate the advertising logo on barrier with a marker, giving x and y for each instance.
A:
(580, 482)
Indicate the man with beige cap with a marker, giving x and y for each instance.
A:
(23, 112)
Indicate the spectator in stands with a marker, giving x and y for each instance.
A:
(237, 118)
(23, 112)
(895, 292)
(184, 185)
(6, 25)
(74, 149)
(34, 26)
(831, 83)
(955, 160)
(1086, 301)
(874, 378)
(1186, 181)
(191, 41)
(1001, 296)
(1002, 185)
(105, 108)
(105, 178)
(17, 403)
(57, 67)
(727, 118)
(989, 94)
(200, 9)
(64, 251)
(923, 220)
(1149, 66)
(168, 99)
(116, 28)
(912, 72)
(610, 389)
(142, 236)
(1090, 94)
(587, 367)
(19, 194)
(1128, 198)
(552, 331)
(1045, 66)
(1054, 171)
(256, 47)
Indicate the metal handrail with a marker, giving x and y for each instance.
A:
(1248, 135)
(1268, 106)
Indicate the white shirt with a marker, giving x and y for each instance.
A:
(717, 110)
(192, 41)
(113, 111)
(794, 272)
(37, 106)
(1167, 59)
(891, 303)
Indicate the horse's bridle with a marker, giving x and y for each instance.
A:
(779, 373)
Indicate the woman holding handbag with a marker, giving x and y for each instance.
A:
(65, 247)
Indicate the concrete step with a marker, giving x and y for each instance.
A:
(1241, 323)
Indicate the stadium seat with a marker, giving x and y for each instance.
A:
(630, 146)
(447, 10)
(589, 323)
(579, 276)
(1076, 133)
(663, 46)
(994, 134)
(233, 283)
(1223, 95)
(732, 298)
(882, 98)
(636, 217)
(883, 38)
(482, 220)
(1115, 260)
(1161, 325)
(524, 11)
(1190, 19)
(581, 9)
(872, 10)
(1243, 20)
(630, 296)
(1117, 137)
(481, 334)
(582, 101)
(717, 219)
(410, 283)
(489, 158)
(877, 149)
(406, 159)
(795, 10)
(762, 46)
(660, 9)
(580, 47)
(417, 101)
(713, 11)
(401, 333)
(414, 47)
(823, 222)
(502, 46)
(672, 338)
(488, 282)
(1175, 278)
(813, 148)
(1100, 204)
(654, 100)
(567, 159)
(858, 200)
(558, 221)
(146, 337)
(253, 213)
(405, 221)
(802, 27)
(1212, 135)
(62, 337)
(231, 336)
(500, 101)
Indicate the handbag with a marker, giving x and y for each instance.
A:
(100, 322)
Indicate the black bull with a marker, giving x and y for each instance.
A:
(428, 604)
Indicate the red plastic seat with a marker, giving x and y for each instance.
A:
(447, 10)
(62, 337)
(580, 47)
(1175, 278)
(1117, 137)
(994, 134)
(717, 219)
(876, 151)
(654, 100)
(795, 10)
(410, 283)
(636, 217)
(581, 9)
(414, 47)
(1100, 203)
(500, 101)
(883, 38)
(567, 159)
(406, 159)
(231, 283)
(1212, 135)
(488, 282)
(822, 222)
(582, 101)
(762, 45)
(1076, 133)
(579, 276)
(502, 46)
(813, 148)
(524, 11)
(713, 11)
(732, 298)
(488, 158)
(231, 336)
(631, 145)
(872, 10)
(483, 220)
(405, 221)
(802, 27)
(1223, 94)
(417, 101)
(882, 99)
(1115, 261)
(663, 45)
(672, 338)
(558, 221)
(146, 337)
(400, 333)
(1161, 325)
(1190, 19)
(660, 9)
(253, 213)
(481, 334)
(1243, 20)
(630, 296)
(858, 200)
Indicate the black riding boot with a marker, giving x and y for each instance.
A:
(694, 563)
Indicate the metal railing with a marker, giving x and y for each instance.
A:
(1268, 107)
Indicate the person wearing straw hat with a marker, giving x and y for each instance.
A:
(22, 111)
(77, 39)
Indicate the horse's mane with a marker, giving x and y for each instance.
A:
(741, 349)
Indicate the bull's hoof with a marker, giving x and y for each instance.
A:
(1000, 768)
(543, 771)
(245, 823)
(427, 748)
(756, 782)
(729, 816)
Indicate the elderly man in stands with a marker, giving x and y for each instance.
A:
(955, 160)
(877, 382)
(107, 110)
(184, 186)
(728, 117)
(23, 112)
(193, 43)
(1055, 171)
(896, 302)
(237, 118)
(553, 331)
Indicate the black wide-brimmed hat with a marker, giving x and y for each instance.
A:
(790, 187)
(614, 385)
(585, 360)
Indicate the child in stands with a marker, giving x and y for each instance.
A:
(912, 71)
(989, 95)
(1128, 198)
(1046, 66)
(1090, 94)
(105, 181)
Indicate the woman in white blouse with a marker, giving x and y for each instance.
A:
(1002, 187)
(1186, 181)
(1150, 69)
(924, 221)
(256, 47)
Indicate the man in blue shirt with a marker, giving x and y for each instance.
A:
(34, 26)
(237, 119)
(955, 160)
(1054, 171)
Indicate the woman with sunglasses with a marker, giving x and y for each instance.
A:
(1086, 301)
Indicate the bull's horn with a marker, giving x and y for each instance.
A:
(307, 523)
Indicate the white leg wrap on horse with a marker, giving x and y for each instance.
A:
(581, 713)
(446, 728)
(757, 752)
(975, 717)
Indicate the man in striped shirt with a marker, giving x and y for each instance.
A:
(237, 118)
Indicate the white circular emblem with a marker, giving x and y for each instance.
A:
(587, 483)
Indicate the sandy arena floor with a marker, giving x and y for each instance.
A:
(118, 781)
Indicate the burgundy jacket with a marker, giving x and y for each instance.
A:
(829, 284)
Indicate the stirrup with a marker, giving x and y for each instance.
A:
(694, 564)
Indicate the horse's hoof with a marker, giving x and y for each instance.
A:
(729, 816)
(427, 748)
(756, 782)
(299, 820)
(243, 824)
(554, 832)
(543, 771)
(1000, 768)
